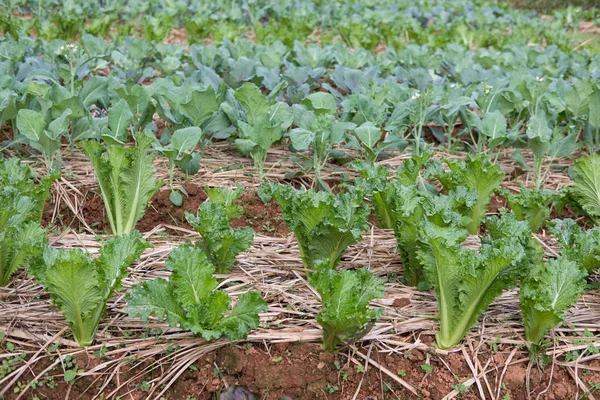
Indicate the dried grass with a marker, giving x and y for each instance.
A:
(273, 266)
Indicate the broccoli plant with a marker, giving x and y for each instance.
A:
(180, 152)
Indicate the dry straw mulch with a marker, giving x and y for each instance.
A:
(273, 266)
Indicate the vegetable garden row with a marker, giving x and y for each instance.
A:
(317, 125)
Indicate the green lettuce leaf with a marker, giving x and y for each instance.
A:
(532, 205)
(547, 292)
(576, 244)
(324, 224)
(345, 297)
(220, 241)
(465, 281)
(190, 299)
(80, 287)
(475, 173)
(126, 179)
(586, 184)
(22, 201)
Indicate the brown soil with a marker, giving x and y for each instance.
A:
(162, 211)
(265, 219)
(304, 371)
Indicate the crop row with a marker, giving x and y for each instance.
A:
(323, 100)
(429, 226)
(365, 24)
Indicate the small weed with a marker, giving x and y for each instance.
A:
(331, 389)
(428, 368)
(460, 388)
(145, 386)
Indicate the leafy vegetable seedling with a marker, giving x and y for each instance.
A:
(547, 292)
(532, 205)
(43, 135)
(21, 206)
(586, 184)
(324, 224)
(477, 174)
(319, 131)
(180, 152)
(80, 287)
(345, 298)
(220, 241)
(190, 299)
(126, 179)
(467, 281)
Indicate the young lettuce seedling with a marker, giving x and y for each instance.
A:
(220, 241)
(21, 206)
(467, 281)
(577, 244)
(532, 205)
(324, 224)
(80, 287)
(552, 287)
(345, 298)
(547, 292)
(190, 299)
(586, 184)
(126, 179)
(477, 174)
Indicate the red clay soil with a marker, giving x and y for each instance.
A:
(265, 219)
(304, 371)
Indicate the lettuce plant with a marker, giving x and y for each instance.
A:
(17, 179)
(190, 299)
(552, 287)
(532, 205)
(410, 208)
(577, 244)
(380, 189)
(21, 206)
(20, 238)
(467, 281)
(226, 198)
(586, 184)
(220, 241)
(81, 286)
(547, 292)
(475, 173)
(345, 298)
(324, 224)
(125, 176)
